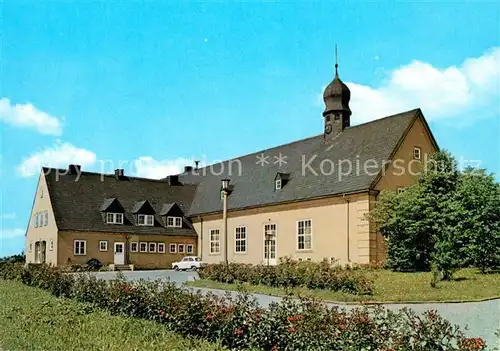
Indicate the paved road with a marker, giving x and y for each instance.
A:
(481, 318)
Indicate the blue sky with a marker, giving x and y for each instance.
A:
(159, 84)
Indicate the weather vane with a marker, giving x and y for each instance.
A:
(336, 61)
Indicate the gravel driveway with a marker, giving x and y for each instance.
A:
(481, 318)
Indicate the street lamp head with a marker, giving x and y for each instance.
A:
(225, 184)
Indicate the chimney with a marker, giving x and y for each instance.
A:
(119, 173)
(74, 169)
(196, 163)
(188, 169)
(173, 180)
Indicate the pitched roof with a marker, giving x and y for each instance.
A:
(309, 164)
(77, 204)
(107, 203)
(171, 209)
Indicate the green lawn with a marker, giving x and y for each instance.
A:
(32, 319)
(468, 285)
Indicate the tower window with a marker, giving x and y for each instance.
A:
(337, 117)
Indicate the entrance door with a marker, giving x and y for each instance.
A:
(270, 244)
(119, 253)
(40, 247)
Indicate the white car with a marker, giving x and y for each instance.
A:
(189, 262)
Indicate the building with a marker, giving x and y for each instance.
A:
(307, 199)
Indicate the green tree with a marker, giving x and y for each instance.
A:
(477, 199)
(448, 219)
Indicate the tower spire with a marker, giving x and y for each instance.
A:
(336, 62)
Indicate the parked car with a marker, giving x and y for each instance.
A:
(189, 262)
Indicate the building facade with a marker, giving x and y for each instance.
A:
(308, 200)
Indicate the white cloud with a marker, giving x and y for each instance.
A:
(8, 216)
(148, 167)
(11, 233)
(27, 116)
(59, 155)
(451, 93)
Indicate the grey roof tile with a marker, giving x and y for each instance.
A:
(77, 203)
(254, 184)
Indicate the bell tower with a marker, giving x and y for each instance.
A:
(337, 113)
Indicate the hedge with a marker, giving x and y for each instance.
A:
(239, 322)
(290, 273)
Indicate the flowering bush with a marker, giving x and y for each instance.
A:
(290, 273)
(238, 322)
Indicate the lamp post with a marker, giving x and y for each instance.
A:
(225, 192)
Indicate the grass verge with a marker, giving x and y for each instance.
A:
(467, 285)
(33, 319)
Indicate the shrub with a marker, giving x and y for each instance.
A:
(290, 273)
(237, 322)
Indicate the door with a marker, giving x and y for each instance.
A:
(119, 253)
(270, 253)
(40, 248)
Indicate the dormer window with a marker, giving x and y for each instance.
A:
(280, 180)
(277, 184)
(143, 219)
(175, 222)
(114, 218)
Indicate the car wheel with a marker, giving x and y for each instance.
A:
(176, 268)
(193, 268)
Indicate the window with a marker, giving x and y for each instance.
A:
(46, 218)
(161, 248)
(308, 259)
(36, 220)
(51, 245)
(103, 245)
(152, 247)
(172, 248)
(174, 222)
(214, 241)
(119, 218)
(145, 220)
(178, 222)
(299, 259)
(41, 194)
(401, 190)
(278, 184)
(417, 153)
(189, 249)
(304, 235)
(143, 247)
(80, 247)
(114, 218)
(31, 247)
(180, 248)
(133, 247)
(241, 239)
